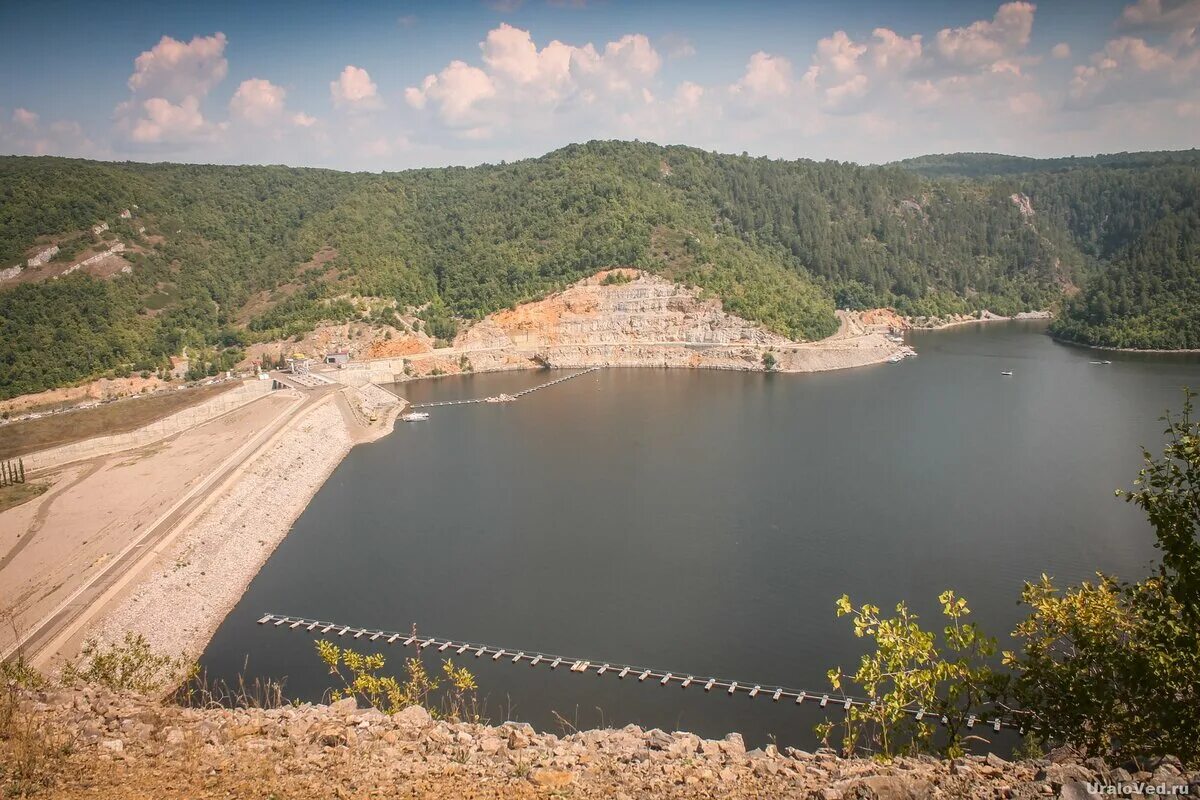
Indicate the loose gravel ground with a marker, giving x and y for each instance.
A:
(203, 576)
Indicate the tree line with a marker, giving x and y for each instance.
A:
(227, 258)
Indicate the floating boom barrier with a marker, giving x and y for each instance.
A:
(514, 395)
(621, 671)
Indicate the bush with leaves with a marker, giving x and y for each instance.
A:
(128, 666)
(1113, 667)
(909, 671)
(450, 696)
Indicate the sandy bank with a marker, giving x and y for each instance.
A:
(203, 573)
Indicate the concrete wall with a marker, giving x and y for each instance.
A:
(156, 431)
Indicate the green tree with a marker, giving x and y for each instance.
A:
(909, 670)
(1114, 667)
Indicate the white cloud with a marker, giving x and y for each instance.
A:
(844, 71)
(1131, 69)
(893, 52)
(522, 85)
(175, 70)
(25, 118)
(1153, 14)
(25, 134)
(987, 41)
(1026, 103)
(766, 76)
(258, 102)
(688, 96)
(355, 90)
(957, 85)
(165, 122)
(510, 53)
(166, 88)
(454, 91)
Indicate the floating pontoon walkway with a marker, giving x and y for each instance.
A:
(514, 396)
(641, 674)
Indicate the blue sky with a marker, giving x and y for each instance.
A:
(388, 85)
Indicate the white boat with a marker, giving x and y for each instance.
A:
(1007, 372)
(414, 416)
(895, 359)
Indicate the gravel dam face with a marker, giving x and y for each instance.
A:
(705, 522)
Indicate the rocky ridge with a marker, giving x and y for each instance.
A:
(633, 320)
(129, 746)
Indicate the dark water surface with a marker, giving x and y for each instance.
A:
(705, 522)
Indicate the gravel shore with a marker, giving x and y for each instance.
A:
(179, 606)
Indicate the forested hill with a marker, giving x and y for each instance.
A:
(216, 257)
(1134, 216)
(990, 165)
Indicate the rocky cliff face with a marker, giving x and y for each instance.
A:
(632, 320)
(645, 310)
(127, 746)
(649, 321)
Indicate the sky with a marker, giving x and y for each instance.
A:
(375, 85)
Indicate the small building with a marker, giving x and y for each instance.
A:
(299, 364)
(340, 357)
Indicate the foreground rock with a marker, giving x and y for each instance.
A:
(129, 746)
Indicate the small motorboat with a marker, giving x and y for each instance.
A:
(414, 416)
(1007, 372)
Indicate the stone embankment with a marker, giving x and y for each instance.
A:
(200, 576)
(126, 746)
(247, 392)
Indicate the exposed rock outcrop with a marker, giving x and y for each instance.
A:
(42, 256)
(640, 319)
(645, 310)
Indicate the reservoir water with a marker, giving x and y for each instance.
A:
(705, 522)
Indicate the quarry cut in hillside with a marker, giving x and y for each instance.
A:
(633, 308)
(626, 317)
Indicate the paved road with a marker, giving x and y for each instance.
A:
(43, 640)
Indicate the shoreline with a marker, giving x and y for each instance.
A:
(1023, 316)
(197, 578)
(1133, 350)
(218, 553)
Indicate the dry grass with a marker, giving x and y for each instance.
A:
(18, 493)
(19, 438)
(32, 753)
